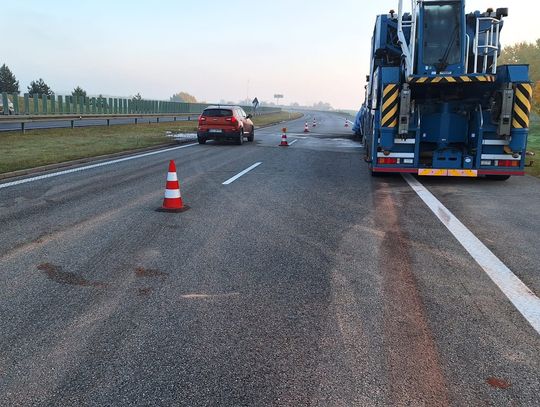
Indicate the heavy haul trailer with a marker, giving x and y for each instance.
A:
(437, 103)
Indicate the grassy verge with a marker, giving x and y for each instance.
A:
(42, 147)
(274, 118)
(534, 145)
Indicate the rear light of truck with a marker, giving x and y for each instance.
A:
(507, 163)
(386, 161)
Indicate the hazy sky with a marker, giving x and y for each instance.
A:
(308, 50)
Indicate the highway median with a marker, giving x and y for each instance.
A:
(38, 148)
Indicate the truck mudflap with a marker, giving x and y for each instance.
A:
(429, 172)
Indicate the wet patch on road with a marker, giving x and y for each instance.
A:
(55, 273)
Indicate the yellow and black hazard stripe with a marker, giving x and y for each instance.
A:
(450, 79)
(389, 112)
(522, 106)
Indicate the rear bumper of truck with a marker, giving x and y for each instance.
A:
(449, 172)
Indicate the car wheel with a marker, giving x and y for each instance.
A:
(201, 140)
(251, 136)
(240, 140)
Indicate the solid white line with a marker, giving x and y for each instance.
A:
(526, 302)
(292, 142)
(89, 167)
(231, 180)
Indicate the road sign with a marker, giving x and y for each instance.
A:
(255, 103)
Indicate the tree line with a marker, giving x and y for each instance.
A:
(10, 84)
(526, 53)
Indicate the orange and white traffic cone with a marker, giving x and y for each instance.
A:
(173, 198)
(306, 128)
(284, 142)
(314, 123)
(346, 123)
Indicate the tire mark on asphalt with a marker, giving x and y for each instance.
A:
(415, 373)
(77, 227)
(56, 274)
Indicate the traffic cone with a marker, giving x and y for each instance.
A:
(346, 123)
(173, 199)
(306, 128)
(284, 142)
(314, 123)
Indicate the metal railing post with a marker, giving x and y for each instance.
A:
(36, 103)
(5, 103)
(44, 103)
(26, 103)
(15, 97)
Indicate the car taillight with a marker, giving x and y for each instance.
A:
(387, 161)
(508, 163)
(202, 119)
(232, 120)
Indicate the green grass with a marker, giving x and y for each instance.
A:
(274, 118)
(534, 146)
(42, 147)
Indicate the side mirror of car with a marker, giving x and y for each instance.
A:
(249, 116)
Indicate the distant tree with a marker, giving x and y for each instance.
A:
(39, 87)
(523, 53)
(526, 53)
(78, 92)
(322, 106)
(183, 97)
(137, 97)
(8, 82)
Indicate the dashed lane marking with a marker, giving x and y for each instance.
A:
(89, 167)
(231, 180)
(526, 302)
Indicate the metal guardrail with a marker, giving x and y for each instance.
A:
(23, 120)
(74, 105)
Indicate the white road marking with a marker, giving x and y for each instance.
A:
(292, 142)
(89, 167)
(526, 302)
(231, 180)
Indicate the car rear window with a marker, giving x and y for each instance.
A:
(217, 113)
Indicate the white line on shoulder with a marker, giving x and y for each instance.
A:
(89, 167)
(526, 302)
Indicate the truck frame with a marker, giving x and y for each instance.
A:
(437, 102)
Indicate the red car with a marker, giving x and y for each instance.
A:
(225, 123)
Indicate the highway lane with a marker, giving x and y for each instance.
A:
(303, 282)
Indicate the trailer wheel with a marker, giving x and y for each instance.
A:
(498, 177)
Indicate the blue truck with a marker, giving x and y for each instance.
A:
(437, 102)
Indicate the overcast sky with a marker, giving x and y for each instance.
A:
(307, 50)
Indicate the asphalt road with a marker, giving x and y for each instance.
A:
(54, 124)
(305, 282)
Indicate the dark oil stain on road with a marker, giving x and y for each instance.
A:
(498, 383)
(145, 291)
(55, 273)
(143, 273)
